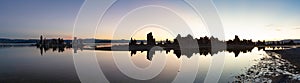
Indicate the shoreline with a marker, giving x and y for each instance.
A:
(292, 55)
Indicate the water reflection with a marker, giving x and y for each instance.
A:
(241, 65)
(22, 65)
(44, 49)
(142, 59)
(190, 51)
(115, 75)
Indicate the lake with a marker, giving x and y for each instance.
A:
(27, 64)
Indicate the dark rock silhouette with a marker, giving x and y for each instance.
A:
(57, 44)
(150, 39)
(187, 45)
(191, 51)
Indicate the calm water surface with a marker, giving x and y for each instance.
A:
(27, 64)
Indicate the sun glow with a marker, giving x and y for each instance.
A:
(158, 33)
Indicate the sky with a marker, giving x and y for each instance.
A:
(249, 19)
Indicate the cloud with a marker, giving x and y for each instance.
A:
(273, 25)
(297, 27)
(277, 27)
(269, 25)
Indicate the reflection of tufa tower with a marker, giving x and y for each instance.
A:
(150, 39)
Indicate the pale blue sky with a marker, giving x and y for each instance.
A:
(30, 18)
(256, 19)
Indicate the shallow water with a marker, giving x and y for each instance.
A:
(26, 64)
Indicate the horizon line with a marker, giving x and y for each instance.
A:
(120, 39)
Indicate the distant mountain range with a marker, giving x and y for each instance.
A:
(107, 41)
(6, 40)
(295, 40)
